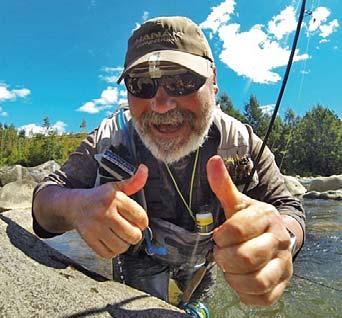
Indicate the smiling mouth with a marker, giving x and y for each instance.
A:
(167, 128)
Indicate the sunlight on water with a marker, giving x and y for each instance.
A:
(316, 288)
(72, 245)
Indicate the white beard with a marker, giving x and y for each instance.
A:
(171, 150)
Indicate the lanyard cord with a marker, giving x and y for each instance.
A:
(187, 205)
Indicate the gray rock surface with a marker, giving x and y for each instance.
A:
(323, 184)
(38, 173)
(14, 173)
(16, 195)
(38, 281)
(327, 195)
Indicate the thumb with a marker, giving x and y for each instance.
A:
(222, 185)
(134, 183)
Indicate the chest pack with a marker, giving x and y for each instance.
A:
(116, 156)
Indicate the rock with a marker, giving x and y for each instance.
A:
(38, 173)
(38, 281)
(16, 195)
(294, 186)
(323, 184)
(14, 173)
(328, 195)
(305, 181)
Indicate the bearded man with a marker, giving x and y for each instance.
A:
(157, 186)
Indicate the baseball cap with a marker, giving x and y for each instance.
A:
(176, 40)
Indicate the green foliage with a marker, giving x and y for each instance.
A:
(310, 145)
(15, 148)
(255, 117)
(316, 144)
(227, 106)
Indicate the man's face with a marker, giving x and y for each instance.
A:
(172, 127)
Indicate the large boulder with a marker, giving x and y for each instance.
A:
(38, 281)
(294, 186)
(14, 173)
(327, 195)
(322, 184)
(16, 195)
(38, 173)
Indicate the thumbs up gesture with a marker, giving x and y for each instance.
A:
(108, 219)
(252, 245)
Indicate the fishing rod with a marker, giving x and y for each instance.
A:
(198, 276)
(280, 95)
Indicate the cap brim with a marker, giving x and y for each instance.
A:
(195, 63)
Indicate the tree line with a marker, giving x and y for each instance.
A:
(308, 145)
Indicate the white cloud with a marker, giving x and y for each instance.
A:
(89, 107)
(145, 15)
(318, 22)
(327, 29)
(111, 74)
(109, 97)
(324, 41)
(267, 109)
(59, 127)
(11, 95)
(32, 129)
(318, 17)
(255, 53)
(284, 23)
(3, 113)
(219, 15)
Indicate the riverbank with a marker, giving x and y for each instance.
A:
(38, 281)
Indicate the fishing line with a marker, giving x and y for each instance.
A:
(317, 283)
(280, 95)
(314, 4)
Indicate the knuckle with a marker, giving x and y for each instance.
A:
(263, 284)
(136, 237)
(142, 219)
(247, 261)
(235, 229)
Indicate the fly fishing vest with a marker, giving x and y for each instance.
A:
(116, 136)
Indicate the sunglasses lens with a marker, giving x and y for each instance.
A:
(183, 84)
(142, 87)
(175, 85)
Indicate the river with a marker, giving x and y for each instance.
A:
(314, 292)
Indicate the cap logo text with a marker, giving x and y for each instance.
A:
(157, 37)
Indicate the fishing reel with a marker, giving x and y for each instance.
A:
(195, 310)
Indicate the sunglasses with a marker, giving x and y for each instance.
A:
(174, 85)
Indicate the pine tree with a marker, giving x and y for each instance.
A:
(227, 107)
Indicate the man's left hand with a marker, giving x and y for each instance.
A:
(252, 246)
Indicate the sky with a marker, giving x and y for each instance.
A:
(61, 59)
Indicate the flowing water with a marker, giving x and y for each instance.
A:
(315, 291)
(316, 288)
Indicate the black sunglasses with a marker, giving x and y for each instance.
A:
(174, 85)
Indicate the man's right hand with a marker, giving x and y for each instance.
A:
(108, 219)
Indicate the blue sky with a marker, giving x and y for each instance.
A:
(60, 58)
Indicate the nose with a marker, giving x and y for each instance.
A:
(162, 102)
